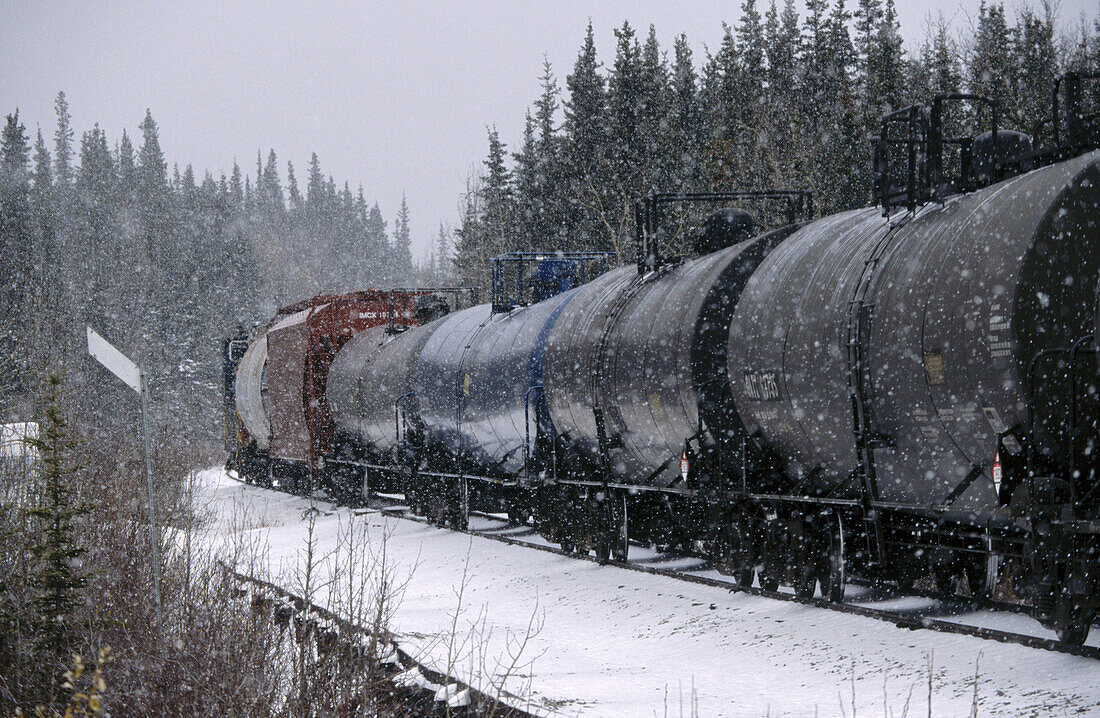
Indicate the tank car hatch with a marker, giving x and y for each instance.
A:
(724, 228)
(987, 155)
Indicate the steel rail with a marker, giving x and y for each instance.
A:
(484, 704)
(397, 510)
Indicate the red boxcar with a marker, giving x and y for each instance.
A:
(280, 392)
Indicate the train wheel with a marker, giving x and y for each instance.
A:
(774, 557)
(439, 507)
(603, 548)
(983, 573)
(945, 580)
(517, 516)
(803, 557)
(831, 567)
(805, 581)
(412, 499)
(566, 519)
(544, 513)
(459, 505)
(735, 553)
(620, 526)
(906, 573)
(599, 515)
(1071, 619)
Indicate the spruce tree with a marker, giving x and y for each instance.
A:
(844, 166)
(63, 142)
(751, 94)
(261, 186)
(315, 184)
(47, 277)
(543, 214)
(868, 17)
(402, 244)
(528, 187)
(67, 243)
(888, 63)
(443, 257)
(127, 170)
(156, 236)
(57, 583)
(685, 115)
(42, 176)
(376, 245)
(586, 108)
(721, 88)
(497, 199)
(1036, 65)
(627, 143)
(625, 89)
(96, 245)
(943, 61)
(272, 192)
(752, 51)
(16, 266)
(293, 194)
(152, 173)
(782, 42)
(782, 152)
(471, 245)
(654, 102)
(236, 189)
(586, 150)
(816, 65)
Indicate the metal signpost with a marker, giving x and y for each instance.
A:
(129, 372)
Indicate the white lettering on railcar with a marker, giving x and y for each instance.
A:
(999, 323)
(762, 385)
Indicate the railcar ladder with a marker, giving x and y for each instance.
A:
(864, 426)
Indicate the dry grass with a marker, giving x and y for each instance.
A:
(219, 650)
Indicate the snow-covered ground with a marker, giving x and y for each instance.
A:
(613, 642)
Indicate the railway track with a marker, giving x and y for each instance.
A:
(506, 533)
(323, 625)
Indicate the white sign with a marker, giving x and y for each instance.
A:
(114, 360)
(13, 440)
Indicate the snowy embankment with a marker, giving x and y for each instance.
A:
(611, 642)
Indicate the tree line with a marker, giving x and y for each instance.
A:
(783, 102)
(164, 263)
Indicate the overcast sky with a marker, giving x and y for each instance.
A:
(395, 96)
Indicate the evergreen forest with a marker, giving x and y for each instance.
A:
(165, 262)
(784, 102)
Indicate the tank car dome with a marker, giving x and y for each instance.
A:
(430, 307)
(984, 155)
(725, 228)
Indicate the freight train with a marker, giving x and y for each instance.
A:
(906, 392)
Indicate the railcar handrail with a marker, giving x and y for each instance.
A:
(1074, 130)
(937, 142)
(1081, 129)
(505, 299)
(647, 215)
